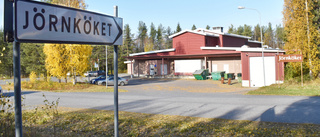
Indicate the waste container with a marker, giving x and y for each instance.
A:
(230, 75)
(200, 74)
(206, 72)
(239, 75)
(217, 75)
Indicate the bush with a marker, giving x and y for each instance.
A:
(33, 77)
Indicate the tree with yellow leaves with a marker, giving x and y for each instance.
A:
(302, 34)
(57, 60)
(67, 58)
(79, 59)
(79, 4)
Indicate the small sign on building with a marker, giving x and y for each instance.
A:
(290, 58)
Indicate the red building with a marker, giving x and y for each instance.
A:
(213, 50)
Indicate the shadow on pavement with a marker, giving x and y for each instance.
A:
(11, 94)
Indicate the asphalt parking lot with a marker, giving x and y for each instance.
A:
(183, 85)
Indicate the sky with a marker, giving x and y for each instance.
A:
(215, 13)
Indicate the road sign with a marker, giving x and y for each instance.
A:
(290, 58)
(40, 22)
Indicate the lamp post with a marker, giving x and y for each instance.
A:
(263, 68)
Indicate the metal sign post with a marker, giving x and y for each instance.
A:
(115, 60)
(17, 88)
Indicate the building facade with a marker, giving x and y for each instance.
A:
(212, 50)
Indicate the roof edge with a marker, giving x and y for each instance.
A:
(152, 52)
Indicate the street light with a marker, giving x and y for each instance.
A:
(264, 75)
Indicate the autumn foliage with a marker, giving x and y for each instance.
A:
(302, 35)
(64, 58)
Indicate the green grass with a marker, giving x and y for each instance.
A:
(89, 122)
(310, 88)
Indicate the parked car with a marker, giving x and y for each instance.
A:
(95, 73)
(110, 81)
(95, 81)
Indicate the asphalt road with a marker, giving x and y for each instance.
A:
(232, 105)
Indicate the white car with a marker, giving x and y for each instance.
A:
(110, 81)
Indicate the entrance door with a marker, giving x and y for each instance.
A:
(256, 71)
(165, 72)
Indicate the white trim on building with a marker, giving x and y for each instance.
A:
(152, 52)
(243, 49)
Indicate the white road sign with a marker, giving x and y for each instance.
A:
(46, 23)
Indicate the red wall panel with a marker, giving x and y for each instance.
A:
(229, 41)
(212, 41)
(188, 43)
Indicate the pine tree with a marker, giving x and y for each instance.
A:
(193, 27)
(33, 58)
(178, 29)
(152, 36)
(247, 30)
(257, 33)
(127, 39)
(207, 27)
(240, 30)
(142, 36)
(269, 36)
(232, 30)
(168, 41)
(6, 62)
(279, 36)
(159, 43)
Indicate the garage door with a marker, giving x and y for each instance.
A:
(256, 71)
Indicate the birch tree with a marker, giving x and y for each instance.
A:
(302, 34)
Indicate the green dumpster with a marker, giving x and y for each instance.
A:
(206, 72)
(200, 74)
(239, 75)
(230, 75)
(223, 75)
(217, 75)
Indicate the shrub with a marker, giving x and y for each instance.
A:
(33, 77)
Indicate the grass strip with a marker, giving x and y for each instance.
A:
(89, 122)
(310, 88)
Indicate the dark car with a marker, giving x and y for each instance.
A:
(95, 81)
(101, 77)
